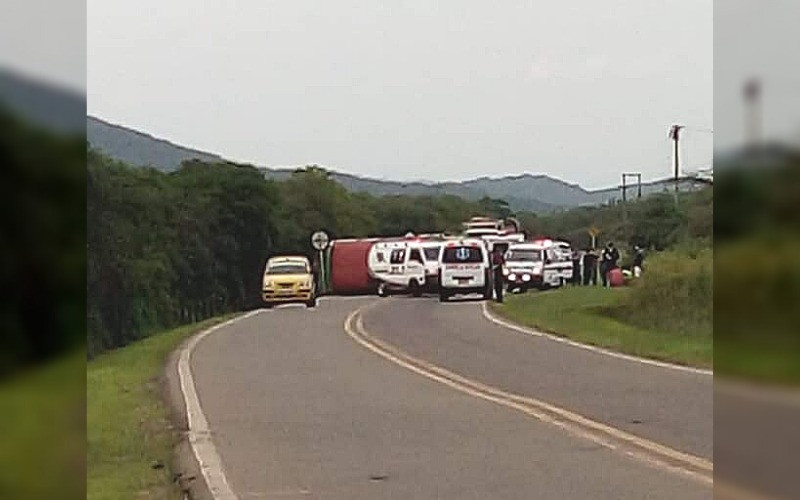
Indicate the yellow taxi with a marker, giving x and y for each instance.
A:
(288, 279)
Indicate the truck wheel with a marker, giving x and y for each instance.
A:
(416, 290)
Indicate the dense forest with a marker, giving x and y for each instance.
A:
(170, 248)
(656, 222)
(42, 259)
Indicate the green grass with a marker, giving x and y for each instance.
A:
(592, 315)
(774, 363)
(127, 421)
(42, 433)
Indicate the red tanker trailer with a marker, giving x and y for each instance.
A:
(349, 273)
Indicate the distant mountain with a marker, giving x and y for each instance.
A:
(140, 149)
(471, 190)
(763, 155)
(536, 193)
(42, 104)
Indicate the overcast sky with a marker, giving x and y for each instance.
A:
(46, 40)
(756, 38)
(581, 90)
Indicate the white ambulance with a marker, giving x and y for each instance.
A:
(397, 265)
(464, 268)
(541, 264)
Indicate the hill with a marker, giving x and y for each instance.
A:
(42, 104)
(524, 192)
(140, 149)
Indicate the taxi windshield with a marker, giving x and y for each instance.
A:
(287, 268)
(524, 255)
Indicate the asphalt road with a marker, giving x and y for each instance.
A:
(298, 409)
(757, 438)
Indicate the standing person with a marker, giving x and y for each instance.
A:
(576, 267)
(590, 267)
(316, 273)
(498, 261)
(638, 260)
(608, 261)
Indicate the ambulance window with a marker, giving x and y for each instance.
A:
(397, 256)
(462, 254)
(432, 253)
(415, 255)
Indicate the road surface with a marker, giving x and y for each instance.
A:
(409, 398)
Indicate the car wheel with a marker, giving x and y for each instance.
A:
(443, 296)
(312, 302)
(416, 290)
(268, 305)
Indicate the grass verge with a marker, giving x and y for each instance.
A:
(591, 315)
(130, 439)
(43, 430)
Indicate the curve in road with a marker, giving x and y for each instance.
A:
(296, 409)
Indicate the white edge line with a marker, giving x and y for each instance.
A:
(662, 364)
(510, 401)
(199, 434)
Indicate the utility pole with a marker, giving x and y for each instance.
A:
(752, 100)
(624, 188)
(625, 176)
(638, 178)
(639, 186)
(674, 134)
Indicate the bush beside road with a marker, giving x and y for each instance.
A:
(665, 316)
(756, 314)
(130, 439)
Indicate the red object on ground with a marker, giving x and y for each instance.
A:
(349, 270)
(615, 277)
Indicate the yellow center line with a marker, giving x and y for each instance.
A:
(643, 450)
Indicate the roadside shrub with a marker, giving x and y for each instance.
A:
(758, 290)
(675, 293)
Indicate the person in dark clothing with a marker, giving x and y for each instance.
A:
(316, 273)
(608, 261)
(576, 267)
(498, 261)
(590, 267)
